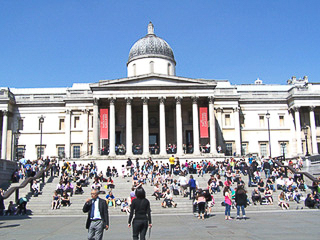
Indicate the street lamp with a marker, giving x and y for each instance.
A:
(305, 131)
(41, 120)
(16, 139)
(268, 117)
(283, 146)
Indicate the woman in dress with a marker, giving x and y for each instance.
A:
(140, 207)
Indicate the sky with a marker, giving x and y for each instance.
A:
(55, 43)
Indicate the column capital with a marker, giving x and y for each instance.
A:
(211, 99)
(68, 111)
(194, 99)
(295, 109)
(178, 100)
(162, 100)
(5, 113)
(145, 100)
(218, 109)
(96, 101)
(311, 108)
(236, 109)
(112, 100)
(128, 100)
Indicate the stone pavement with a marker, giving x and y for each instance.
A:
(276, 224)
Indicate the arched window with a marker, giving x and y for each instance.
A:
(169, 69)
(134, 69)
(151, 67)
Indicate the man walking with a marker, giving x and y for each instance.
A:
(98, 218)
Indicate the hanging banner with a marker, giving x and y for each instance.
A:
(204, 123)
(104, 123)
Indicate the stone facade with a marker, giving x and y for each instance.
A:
(153, 107)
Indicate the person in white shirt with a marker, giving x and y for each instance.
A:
(280, 183)
(183, 184)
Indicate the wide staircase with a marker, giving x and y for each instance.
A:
(41, 205)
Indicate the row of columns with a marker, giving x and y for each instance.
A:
(312, 130)
(162, 126)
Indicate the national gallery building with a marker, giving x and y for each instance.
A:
(154, 112)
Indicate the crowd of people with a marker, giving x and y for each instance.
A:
(170, 178)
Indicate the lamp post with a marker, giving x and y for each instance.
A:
(268, 117)
(305, 131)
(41, 120)
(16, 139)
(283, 145)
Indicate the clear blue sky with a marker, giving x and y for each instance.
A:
(54, 43)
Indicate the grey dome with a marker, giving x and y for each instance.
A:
(151, 46)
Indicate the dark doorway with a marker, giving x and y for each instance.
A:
(118, 138)
(189, 141)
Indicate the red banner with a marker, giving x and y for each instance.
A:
(104, 123)
(204, 122)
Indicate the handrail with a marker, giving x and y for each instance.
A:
(11, 190)
(308, 175)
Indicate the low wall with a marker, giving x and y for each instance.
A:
(6, 170)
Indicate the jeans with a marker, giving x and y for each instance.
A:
(228, 209)
(242, 209)
(192, 192)
(139, 227)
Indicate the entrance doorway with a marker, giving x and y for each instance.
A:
(189, 141)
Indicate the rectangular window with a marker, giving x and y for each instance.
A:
(20, 124)
(228, 149)
(281, 121)
(227, 120)
(263, 149)
(20, 152)
(283, 148)
(76, 122)
(261, 121)
(76, 151)
(40, 151)
(244, 149)
(61, 152)
(61, 124)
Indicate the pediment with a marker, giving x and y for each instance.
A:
(154, 81)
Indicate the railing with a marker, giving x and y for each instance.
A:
(38, 175)
(280, 164)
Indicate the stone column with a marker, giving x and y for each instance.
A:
(195, 116)
(237, 130)
(4, 135)
(313, 131)
(212, 127)
(179, 125)
(85, 124)
(68, 134)
(129, 126)
(162, 128)
(145, 126)
(298, 129)
(96, 127)
(112, 143)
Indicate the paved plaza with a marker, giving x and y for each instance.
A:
(261, 225)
